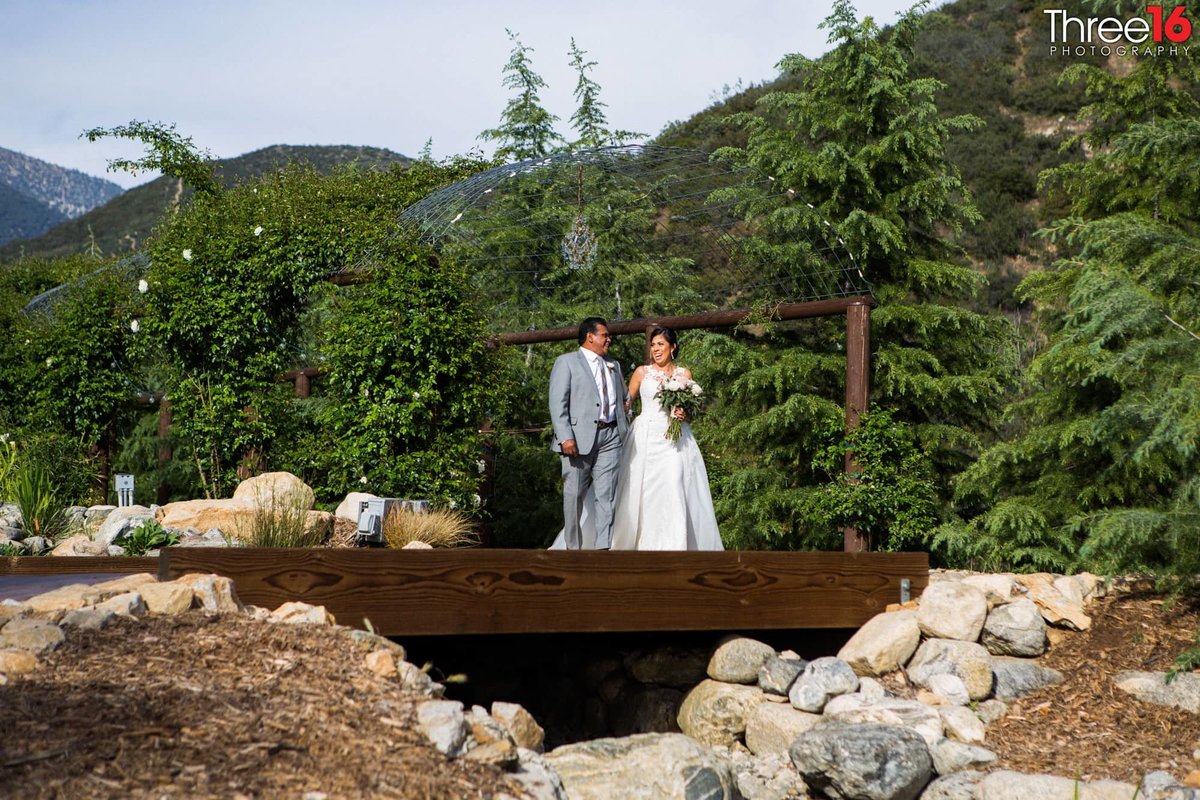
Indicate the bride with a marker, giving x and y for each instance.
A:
(663, 500)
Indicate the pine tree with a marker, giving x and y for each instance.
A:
(589, 119)
(526, 128)
(862, 142)
(1103, 466)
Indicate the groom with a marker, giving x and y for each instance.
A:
(587, 409)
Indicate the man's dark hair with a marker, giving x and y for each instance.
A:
(590, 325)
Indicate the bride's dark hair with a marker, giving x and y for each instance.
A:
(667, 334)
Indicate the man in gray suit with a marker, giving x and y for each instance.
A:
(587, 409)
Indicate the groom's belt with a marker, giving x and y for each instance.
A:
(602, 425)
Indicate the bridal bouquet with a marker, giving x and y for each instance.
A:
(678, 392)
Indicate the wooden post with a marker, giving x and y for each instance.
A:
(858, 380)
(303, 387)
(648, 329)
(165, 452)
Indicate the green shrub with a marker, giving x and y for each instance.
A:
(38, 499)
(150, 535)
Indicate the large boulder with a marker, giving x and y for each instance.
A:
(1151, 687)
(866, 762)
(120, 521)
(1017, 677)
(1015, 629)
(444, 723)
(1007, 785)
(348, 508)
(648, 765)
(229, 516)
(738, 660)
(777, 674)
(1057, 609)
(971, 662)
(823, 679)
(885, 643)
(275, 489)
(715, 713)
(952, 610)
(909, 714)
(772, 727)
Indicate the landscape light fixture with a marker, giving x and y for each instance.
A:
(372, 513)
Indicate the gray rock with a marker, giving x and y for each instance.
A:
(950, 687)
(75, 516)
(1161, 785)
(969, 661)
(872, 690)
(961, 724)
(822, 679)
(738, 660)
(36, 636)
(445, 725)
(10, 515)
(12, 533)
(882, 645)
(1007, 785)
(991, 710)
(715, 713)
(677, 667)
(769, 777)
(771, 727)
(952, 610)
(1015, 629)
(958, 786)
(119, 522)
(648, 765)
(923, 720)
(866, 762)
(94, 517)
(91, 619)
(777, 674)
(950, 756)
(537, 777)
(1151, 687)
(37, 544)
(115, 550)
(1017, 677)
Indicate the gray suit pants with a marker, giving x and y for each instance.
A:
(598, 469)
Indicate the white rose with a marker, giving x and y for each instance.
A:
(134, 325)
(696, 390)
(258, 231)
(187, 254)
(143, 286)
(363, 480)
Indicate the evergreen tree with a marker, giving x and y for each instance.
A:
(864, 143)
(526, 128)
(1103, 465)
(589, 119)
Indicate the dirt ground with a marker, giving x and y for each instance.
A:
(200, 706)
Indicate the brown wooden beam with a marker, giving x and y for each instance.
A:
(471, 591)
(858, 377)
(706, 319)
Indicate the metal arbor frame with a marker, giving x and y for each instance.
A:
(602, 231)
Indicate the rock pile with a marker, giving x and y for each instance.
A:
(104, 530)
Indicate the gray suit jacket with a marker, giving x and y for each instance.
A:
(575, 403)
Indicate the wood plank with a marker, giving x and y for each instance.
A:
(466, 591)
(67, 565)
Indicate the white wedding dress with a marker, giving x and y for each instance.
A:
(663, 500)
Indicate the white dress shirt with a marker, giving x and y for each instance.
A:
(600, 370)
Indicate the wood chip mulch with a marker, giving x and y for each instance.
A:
(1086, 726)
(201, 706)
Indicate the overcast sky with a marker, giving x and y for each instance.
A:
(237, 76)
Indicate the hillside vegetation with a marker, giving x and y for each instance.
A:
(123, 224)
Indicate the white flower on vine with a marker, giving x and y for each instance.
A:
(143, 286)
(258, 231)
(187, 254)
(481, 465)
(477, 500)
(363, 480)
(134, 325)
(50, 362)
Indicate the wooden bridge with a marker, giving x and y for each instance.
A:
(476, 591)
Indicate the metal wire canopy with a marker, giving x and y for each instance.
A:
(631, 232)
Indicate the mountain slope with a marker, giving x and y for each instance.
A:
(35, 195)
(122, 224)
